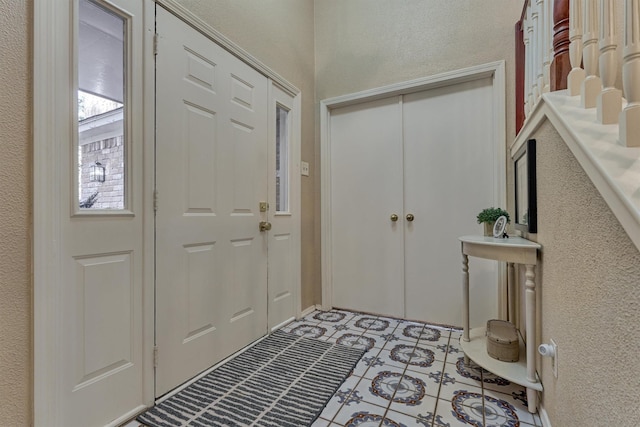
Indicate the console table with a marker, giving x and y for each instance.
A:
(511, 250)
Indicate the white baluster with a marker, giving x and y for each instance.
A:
(576, 76)
(535, 42)
(542, 46)
(630, 116)
(527, 49)
(548, 45)
(591, 86)
(530, 59)
(609, 103)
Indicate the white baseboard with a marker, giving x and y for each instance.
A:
(544, 417)
(310, 309)
(280, 325)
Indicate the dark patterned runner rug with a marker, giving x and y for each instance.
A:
(285, 380)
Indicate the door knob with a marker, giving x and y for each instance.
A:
(410, 217)
(394, 217)
(265, 226)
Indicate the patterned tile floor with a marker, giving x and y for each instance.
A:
(412, 375)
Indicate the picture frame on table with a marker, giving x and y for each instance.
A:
(499, 226)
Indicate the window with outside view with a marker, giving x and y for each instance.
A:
(101, 107)
(282, 159)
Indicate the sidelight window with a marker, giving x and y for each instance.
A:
(101, 107)
(282, 159)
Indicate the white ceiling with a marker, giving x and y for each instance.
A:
(101, 51)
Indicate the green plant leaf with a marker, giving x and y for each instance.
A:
(492, 214)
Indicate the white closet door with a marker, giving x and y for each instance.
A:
(449, 178)
(211, 174)
(366, 189)
(429, 158)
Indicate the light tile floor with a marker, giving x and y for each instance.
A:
(412, 375)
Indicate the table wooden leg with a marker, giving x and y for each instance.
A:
(532, 400)
(465, 297)
(530, 301)
(511, 294)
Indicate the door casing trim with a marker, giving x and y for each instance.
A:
(495, 70)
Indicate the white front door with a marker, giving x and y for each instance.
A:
(427, 159)
(211, 175)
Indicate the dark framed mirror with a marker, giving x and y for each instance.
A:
(524, 168)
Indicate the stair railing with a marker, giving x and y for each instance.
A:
(593, 40)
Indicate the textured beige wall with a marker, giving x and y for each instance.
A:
(590, 296)
(15, 212)
(363, 44)
(280, 34)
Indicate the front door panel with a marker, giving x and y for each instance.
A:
(211, 259)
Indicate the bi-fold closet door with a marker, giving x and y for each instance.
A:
(408, 175)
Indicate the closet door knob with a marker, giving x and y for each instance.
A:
(410, 217)
(394, 217)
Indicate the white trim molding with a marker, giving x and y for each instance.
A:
(544, 417)
(614, 169)
(187, 16)
(148, 196)
(48, 17)
(495, 70)
(309, 310)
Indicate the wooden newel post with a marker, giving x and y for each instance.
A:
(591, 86)
(609, 102)
(630, 116)
(576, 76)
(561, 65)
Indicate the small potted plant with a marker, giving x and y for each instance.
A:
(489, 216)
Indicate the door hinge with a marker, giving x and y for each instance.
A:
(155, 44)
(155, 201)
(155, 356)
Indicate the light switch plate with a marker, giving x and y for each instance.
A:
(304, 168)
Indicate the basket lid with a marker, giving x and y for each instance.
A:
(501, 331)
